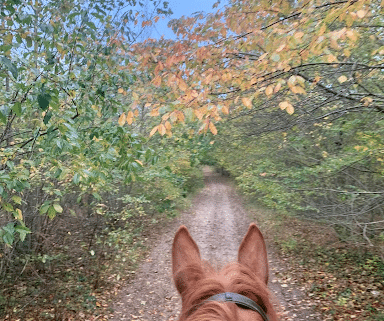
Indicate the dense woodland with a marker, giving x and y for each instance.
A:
(104, 130)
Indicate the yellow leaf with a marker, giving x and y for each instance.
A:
(139, 162)
(277, 88)
(120, 90)
(283, 105)
(351, 35)
(247, 102)
(135, 96)
(290, 109)
(168, 125)
(224, 109)
(269, 90)
(300, 79)
(361, 13)
(130, 117)
(162, 129)
(121, 120)
(18, 214)
(198, 114)
(331, 58)
(298, 90)
(180, 116)
(212, 128)
(153, 131)
(154, 112)
(342, 79)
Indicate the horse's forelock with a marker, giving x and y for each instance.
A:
(207, 282)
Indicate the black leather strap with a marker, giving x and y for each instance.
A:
(238, 299)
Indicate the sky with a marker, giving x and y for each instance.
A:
(182, 8)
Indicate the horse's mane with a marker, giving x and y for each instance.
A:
(205, 281)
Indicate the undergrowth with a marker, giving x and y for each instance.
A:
(346, 282)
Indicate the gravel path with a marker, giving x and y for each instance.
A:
(217, 222)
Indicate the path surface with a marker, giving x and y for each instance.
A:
(217, 222)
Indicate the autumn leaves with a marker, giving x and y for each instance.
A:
(249, 53)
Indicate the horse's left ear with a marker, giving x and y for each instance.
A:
(185, 252)
(253, 253)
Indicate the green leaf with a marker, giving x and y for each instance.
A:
(97, 196)
(76, 178)
(44, 208)
(16, 199)
(8, 238)
(43, 100)
(47, 117)
(8, 207)
(51, 212)
(17, 108)
(58, 208)
(29, 41)
(10, 228)
(3, 119)
(23, 231)
(10, 66)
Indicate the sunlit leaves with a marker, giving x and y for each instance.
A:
(247, 102)
(122, 119)
(285, 105)
(212, 128)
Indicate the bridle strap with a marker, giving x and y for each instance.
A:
(238, 299)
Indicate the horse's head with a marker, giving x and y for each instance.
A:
(236, 293)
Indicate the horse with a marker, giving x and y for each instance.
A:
(238, 292)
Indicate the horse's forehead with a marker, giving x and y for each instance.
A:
(248, 315)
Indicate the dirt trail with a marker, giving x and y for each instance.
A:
(217, 222)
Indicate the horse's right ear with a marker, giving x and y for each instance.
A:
(184, 252)
(253, 253)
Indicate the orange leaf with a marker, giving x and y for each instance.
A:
(298, 90)
(153, 131)
(130, 117)
(361, 13)
(198, 114)
(212, 128)
(183, 85)
(284, 104)
(269, 90)
(121, 120)
(277, 88)
(180, 116)
(168, 125)
(290, 109)
(154, 112)
(247, 102)
(162, 129)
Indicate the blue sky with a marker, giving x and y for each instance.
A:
(182, 8)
